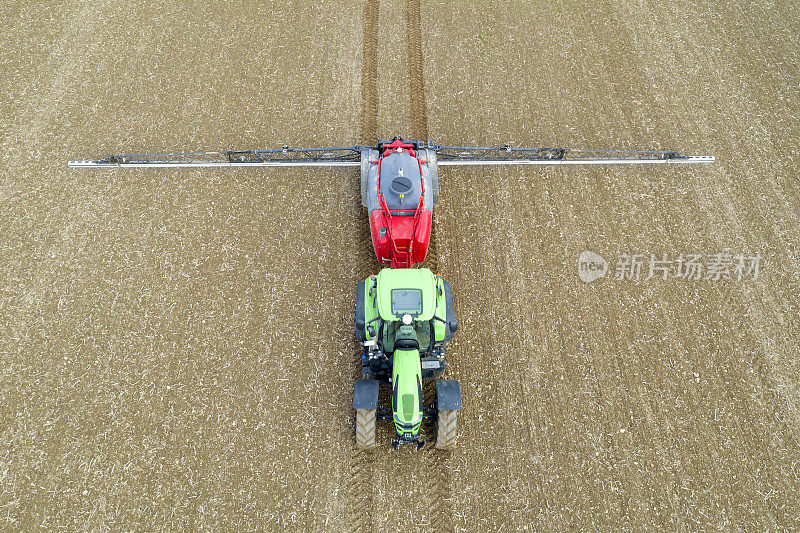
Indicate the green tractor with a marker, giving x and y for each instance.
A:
(404, 318)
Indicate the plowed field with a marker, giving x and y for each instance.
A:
(177, 346)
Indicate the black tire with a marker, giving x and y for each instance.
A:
(446, 426)
(365, 428)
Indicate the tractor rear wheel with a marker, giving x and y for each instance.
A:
(365, 428)
(446, 426)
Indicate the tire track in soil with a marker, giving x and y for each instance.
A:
(436, 462)
(369, 74)
(419, 111)
(360, 495)
(439, 483)
(437, 474)
(361, 462)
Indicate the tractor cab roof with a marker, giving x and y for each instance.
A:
(404, 291)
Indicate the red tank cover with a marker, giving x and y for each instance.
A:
(410, 234)
(422, 236)
(379, 228)
(400, 215)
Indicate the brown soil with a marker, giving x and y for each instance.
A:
(178, 347)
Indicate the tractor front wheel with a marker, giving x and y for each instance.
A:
(446, 426)
(365, 428)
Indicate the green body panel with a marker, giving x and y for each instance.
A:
(441, 310)
(407, 391)
(371, 316)
(378, 306)
(406, 278)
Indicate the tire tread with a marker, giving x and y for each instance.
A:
(365, 428)
(446, 427)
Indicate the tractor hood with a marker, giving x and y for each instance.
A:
(406, 291)
(407, 394)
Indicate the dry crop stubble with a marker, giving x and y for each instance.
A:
(175, 351)
(652, 403)
(178, 346)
